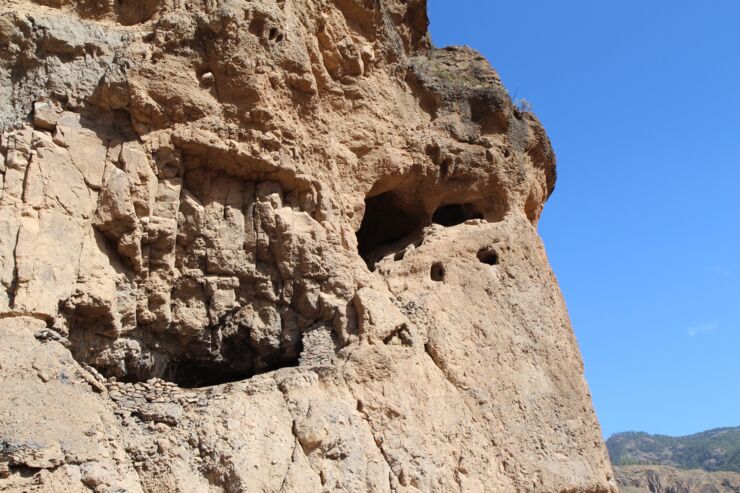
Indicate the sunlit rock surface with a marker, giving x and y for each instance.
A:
(275, 245)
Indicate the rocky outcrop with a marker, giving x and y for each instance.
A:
(275, 245)
(666, 479)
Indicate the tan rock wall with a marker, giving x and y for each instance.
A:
(275, 246)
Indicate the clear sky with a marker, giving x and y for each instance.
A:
(641, 99)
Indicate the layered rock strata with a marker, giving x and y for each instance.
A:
(275, 245)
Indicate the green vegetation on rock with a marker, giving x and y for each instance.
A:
(713, 450)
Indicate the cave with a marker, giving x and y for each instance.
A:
(192, 374)
(195, 374)
(389, 224)
(437, 272)
(227, 352)
(454, 214)
(488, 256)
(234, 356)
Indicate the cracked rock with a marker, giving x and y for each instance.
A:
(275, 246)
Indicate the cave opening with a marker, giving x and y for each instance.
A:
(237, 359)
(191, 374)
(488, 256)
(195, 374)
(229, 355)
(437, 272)
(388, 225)
(454, 214)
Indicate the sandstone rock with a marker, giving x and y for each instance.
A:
(318, 229)
(47, 425)
(45, 115)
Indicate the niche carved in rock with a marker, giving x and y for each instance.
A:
(231, 276)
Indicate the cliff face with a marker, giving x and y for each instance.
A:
(275, 245)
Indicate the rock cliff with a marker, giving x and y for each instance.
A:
(275, 245)
(666, 479)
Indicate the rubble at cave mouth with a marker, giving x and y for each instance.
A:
(197, 374)
(232, 361)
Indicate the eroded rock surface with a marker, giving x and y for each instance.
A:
(275, 245)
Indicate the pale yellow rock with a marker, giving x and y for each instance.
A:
(378, 319)
(45, 425)
(9, 227)
(89, 151)
(45, 115)
(47, 258)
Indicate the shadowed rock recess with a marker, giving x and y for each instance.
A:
(279, 246)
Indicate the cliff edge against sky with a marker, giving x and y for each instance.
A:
(275, 245)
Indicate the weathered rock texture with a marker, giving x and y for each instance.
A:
(665, 479)
(275, 245)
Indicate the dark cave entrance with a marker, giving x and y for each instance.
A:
(388, 225)
(488, 256)
(195, 373)
(228, 355)
(191, 374)
(454, 214)
(437, 272)
(238, 358)
(391, 223)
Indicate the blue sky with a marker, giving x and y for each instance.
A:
(642, 102)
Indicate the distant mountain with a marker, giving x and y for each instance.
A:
(665, 479)
(713, 450)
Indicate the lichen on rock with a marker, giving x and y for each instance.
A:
(275, 245)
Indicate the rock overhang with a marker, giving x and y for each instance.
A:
(189, 200)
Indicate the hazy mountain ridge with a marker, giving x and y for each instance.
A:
(666, 479)
(712, 450)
